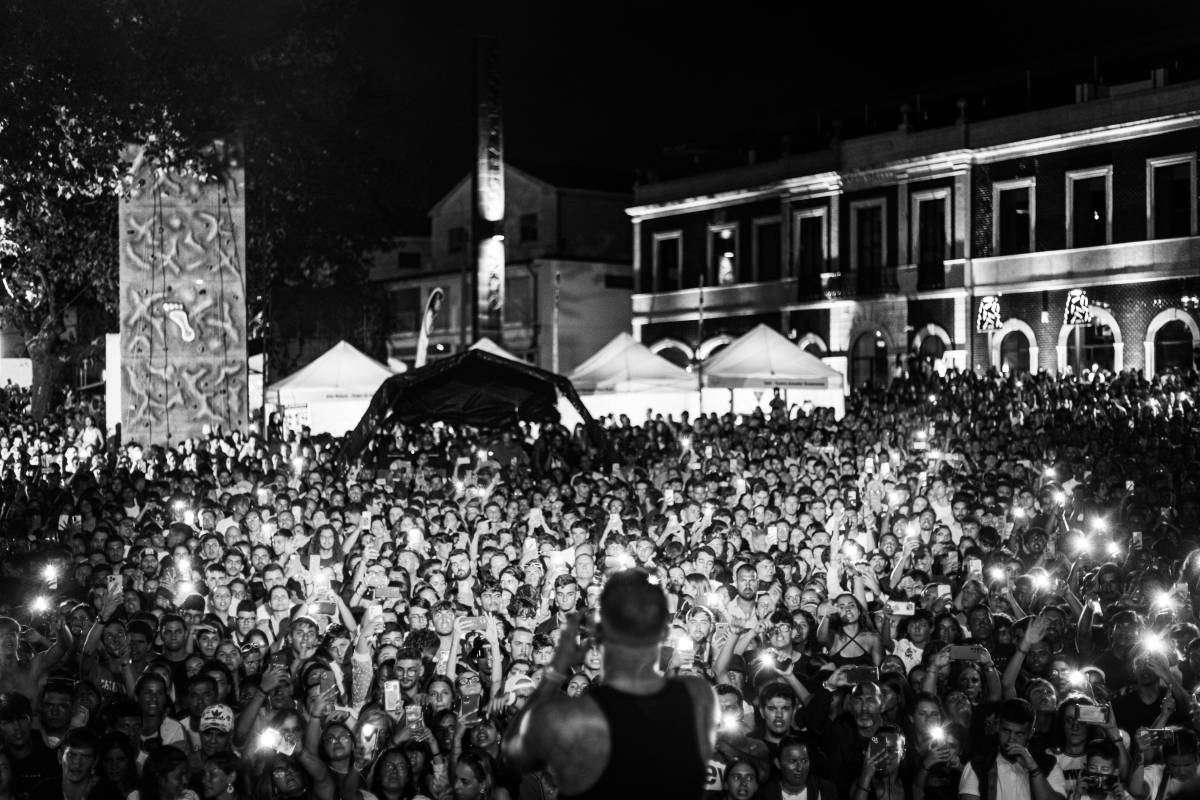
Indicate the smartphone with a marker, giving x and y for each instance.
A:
(1129, 486)
(944, 590)
(386, 592)
(669, 496)
(902, 608)
(477, 623)
(323, 609)
(869, 465)
(708, 451)
(1100, 782)
(277, 659)
(857, 675)
(1159, 736)
(890, 741)
(412, 717)
(965, 652)
(468, 710)
(1094, 715)
(392, 698)
(1135, 539)
(974, 566)
(116, 584)
(286, 745)
(772, 535)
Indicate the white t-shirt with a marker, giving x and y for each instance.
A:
(1012, 781)
(1068, 770)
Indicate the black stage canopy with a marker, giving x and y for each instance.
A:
(473, 387)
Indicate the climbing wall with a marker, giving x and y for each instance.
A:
(183, 303)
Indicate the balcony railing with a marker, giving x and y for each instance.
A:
(1084, 263)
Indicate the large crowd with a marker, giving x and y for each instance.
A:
(970, 586)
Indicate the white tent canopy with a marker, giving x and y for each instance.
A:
(765, 359)
(488, 346)
(626, 365)
(331, 394)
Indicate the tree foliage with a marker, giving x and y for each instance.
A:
(82, 79)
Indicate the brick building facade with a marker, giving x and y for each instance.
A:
(881, 249)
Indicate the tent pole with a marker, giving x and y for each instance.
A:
(700, 341)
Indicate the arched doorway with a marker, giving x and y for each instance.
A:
(675, 351)
(1014, 353)
(1100, 342)
(1015, 344)
(932, 348)
(713, 346)
(869, 360)
(1097, 348)
(1171, 338)
(1173, 347)
(812, 344)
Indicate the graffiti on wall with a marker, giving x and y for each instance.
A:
(183, 304)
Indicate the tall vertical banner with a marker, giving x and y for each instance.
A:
(183, 301)
(488, 222)
(432, 306)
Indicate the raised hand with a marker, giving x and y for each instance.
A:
(1035, 631)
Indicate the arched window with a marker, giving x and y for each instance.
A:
(1173, 347)
(1096, 348)
(932, 348)
(1014, 353)
(869, 360)
(676, 356)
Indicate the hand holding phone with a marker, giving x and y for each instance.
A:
(966, 652)
(392, 696)
(468, 710)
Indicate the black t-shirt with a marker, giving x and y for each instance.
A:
(40, 765)
(1131, 713)
(103, 790)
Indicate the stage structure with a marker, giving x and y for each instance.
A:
(183, 302)
(487, 222)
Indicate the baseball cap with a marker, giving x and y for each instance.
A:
(515, 683)
(193, 602)
(217, 717)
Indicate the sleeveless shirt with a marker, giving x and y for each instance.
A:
(654, 752)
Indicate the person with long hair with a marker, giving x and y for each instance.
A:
(291, 778)
(391, 776)
(164, 776)
(846, 631)
(118, 762)
(220, 778)
(475, 778)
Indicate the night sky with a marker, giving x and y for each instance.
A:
(610, 87)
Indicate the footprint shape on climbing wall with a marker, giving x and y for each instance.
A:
(177, 314)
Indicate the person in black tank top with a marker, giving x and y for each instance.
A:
(637, 735)
(654, 751)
